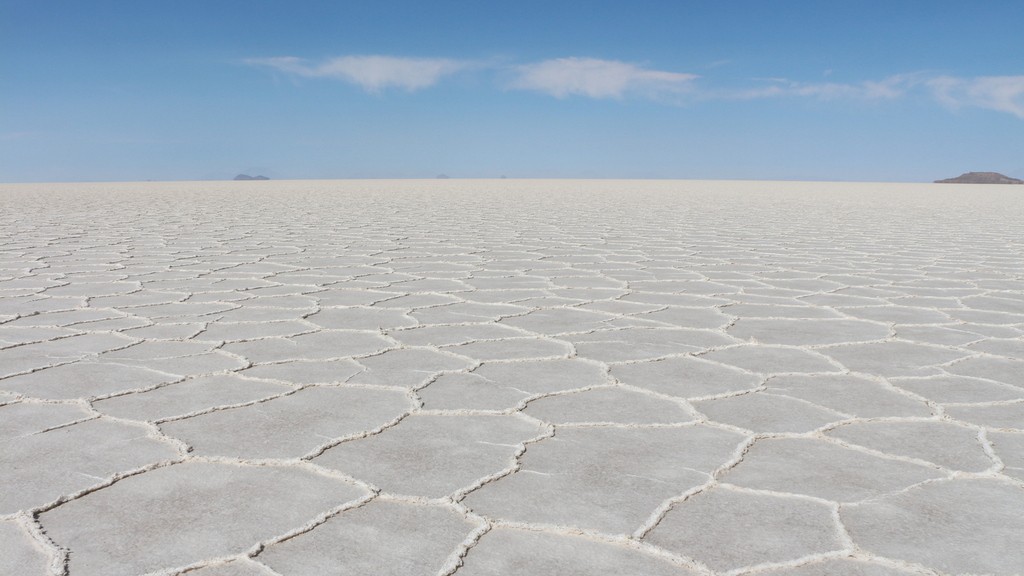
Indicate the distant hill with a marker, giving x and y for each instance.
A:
(981, 178)
(247, 177)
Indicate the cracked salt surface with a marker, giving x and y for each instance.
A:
(481, 377)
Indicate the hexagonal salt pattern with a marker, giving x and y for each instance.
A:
(138, 524)
(814, 467)
(505, 385)
(381, 537)
(945, 444)
(432, 455)
(462, 377)
(727, 529)
(605, 479)
(933, 524)
(45, 466)
(290, 425)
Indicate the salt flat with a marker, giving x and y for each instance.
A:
(511, 377)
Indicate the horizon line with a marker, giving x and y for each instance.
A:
(483, 178)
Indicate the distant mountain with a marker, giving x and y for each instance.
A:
(981, 178)
(247, 177)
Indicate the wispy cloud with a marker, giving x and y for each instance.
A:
(1000, 93)
(886, 89)
(372, 73)
(596, 78)
(615, 79)
(22, 135)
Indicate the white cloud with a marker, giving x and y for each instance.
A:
(596, 78)
(886, 89)
(372, 73)
(999, 93)
(22, 135)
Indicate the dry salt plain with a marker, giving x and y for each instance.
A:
(514, 377)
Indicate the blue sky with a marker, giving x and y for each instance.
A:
(806, 90)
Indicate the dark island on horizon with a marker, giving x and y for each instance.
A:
(247, 177)
(980, 178)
